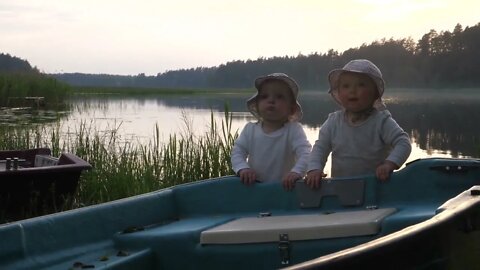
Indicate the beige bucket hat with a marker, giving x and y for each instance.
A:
(252, 102)
(362, 66)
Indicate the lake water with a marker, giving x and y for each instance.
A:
(441, 123)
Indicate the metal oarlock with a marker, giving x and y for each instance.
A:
(8, 163)
(15, 163)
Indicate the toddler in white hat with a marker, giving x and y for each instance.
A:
(362, 137)
(275, 147)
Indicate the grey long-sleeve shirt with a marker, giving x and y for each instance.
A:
(358, 150)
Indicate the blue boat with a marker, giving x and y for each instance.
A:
(223, 224)
(448, 240)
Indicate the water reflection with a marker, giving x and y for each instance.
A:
(439, 123)
(26, 116)
(447, 125)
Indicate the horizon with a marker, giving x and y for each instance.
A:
(151, 37)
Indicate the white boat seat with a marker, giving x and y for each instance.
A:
(298, 227)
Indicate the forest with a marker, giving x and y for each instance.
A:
(18, 79)
(444, 59)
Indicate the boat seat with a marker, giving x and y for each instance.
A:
(45, 160)
(297, 227)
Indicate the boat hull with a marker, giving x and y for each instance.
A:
(33, 189)
(448, 240)
(168, 229)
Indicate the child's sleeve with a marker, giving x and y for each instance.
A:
(302, 148)
(240, 150)
(322, 147)
(399, 140)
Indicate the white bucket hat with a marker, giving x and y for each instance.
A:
(362, 66)
(252, 102)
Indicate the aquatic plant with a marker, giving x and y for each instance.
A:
(15, 87)
(122, 167)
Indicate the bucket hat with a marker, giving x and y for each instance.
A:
(361, 66)
(252, 102)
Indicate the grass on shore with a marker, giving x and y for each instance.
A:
(125, 168)
(16, 86)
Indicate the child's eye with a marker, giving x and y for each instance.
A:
(280, 96)
(262, 96)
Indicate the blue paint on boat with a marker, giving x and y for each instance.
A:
(163, 229)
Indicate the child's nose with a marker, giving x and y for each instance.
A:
(352, 89)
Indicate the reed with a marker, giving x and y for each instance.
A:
(123, 168)
(21, 85)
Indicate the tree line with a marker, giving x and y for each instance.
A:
(12, 64)
(18, 79)
(438, 59)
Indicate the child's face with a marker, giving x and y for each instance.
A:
(356, 92)
(275, 101)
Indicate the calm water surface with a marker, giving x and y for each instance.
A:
(441, 124)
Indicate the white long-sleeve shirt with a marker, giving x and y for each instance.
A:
(274, 154)
(358, 150)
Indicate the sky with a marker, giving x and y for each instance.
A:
(129, 37)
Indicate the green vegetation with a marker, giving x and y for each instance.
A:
(122, 169)
(9, 64)
(14, 87)
(18, 80)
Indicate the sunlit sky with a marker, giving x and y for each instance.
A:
(129, 37)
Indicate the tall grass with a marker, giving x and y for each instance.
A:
(187, 157)
(126, 168)
(20, 85)
(25, 137)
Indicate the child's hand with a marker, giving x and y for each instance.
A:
(247, 176)
(314, 178)
(289, 180)
(385, 169)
